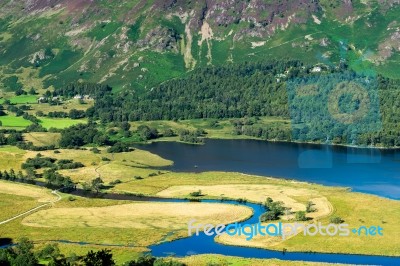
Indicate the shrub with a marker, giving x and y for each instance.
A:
(196, 193)
(336, 220)
(301, 216)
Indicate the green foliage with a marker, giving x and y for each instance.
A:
(134, 30)
(191, 136)
(119, 147)
(147, 133)
(97, 184)
(144, 260)
(274, 210)
(196, 193)
(57, 180)
(81, 134)
(301, 216)
(336, 220)
(103, 29)
(310, 207)
(12, 84)
(102, 257)
(61, 61)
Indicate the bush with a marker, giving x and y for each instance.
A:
(274, 209)
(196, 193)
(336, 220)
(301, 216)
(309, 207)
(119, 147)
(95, 150)
(115, 182)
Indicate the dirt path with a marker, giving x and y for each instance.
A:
(55, 192)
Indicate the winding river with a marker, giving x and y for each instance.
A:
(365, 170)
(371, 171)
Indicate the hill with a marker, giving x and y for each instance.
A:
(138, 44)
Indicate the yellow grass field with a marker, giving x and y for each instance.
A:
(258, 193)
(173, 216)
(37, 193)
(12, 205)
(11, 158)
(199, 260)
(42, 138)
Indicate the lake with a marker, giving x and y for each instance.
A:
(366, 170)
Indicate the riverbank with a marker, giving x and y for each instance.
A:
(224, 130)
(356, 209)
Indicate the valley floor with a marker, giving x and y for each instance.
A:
(133, 226)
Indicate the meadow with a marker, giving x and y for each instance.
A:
(10, 121)
(22, 99)
(60, 123)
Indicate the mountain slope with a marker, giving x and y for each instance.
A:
(137, 44)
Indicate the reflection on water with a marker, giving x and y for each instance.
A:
(364, 170)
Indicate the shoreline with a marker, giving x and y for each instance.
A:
(169, 139)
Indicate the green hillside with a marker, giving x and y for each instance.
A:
(136, 44)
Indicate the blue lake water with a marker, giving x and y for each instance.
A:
(364, 170)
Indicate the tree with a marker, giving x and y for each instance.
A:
(50, 252)
(125, 126)
(100, 258)
(97, 184)
(5, 257)
(24, 255)
(147, 133)
(301, 216)
(309, 207)
(144, 260)
(76, 114)
(274, 209)
(32, 91)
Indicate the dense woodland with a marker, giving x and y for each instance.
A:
(241, 93)
(260, 89)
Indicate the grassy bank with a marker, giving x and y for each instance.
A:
(100, 221)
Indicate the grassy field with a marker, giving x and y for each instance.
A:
(96, 218)
(13, 204)
(11, 158)
(18, 198)
(31, 191)
(42, 138)
(143, 215)
(198, 260)
(60, 123)
(64, 107)
(356, 209)
(294, 198)
(14, 122)
(22, 99)
(123, 166)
